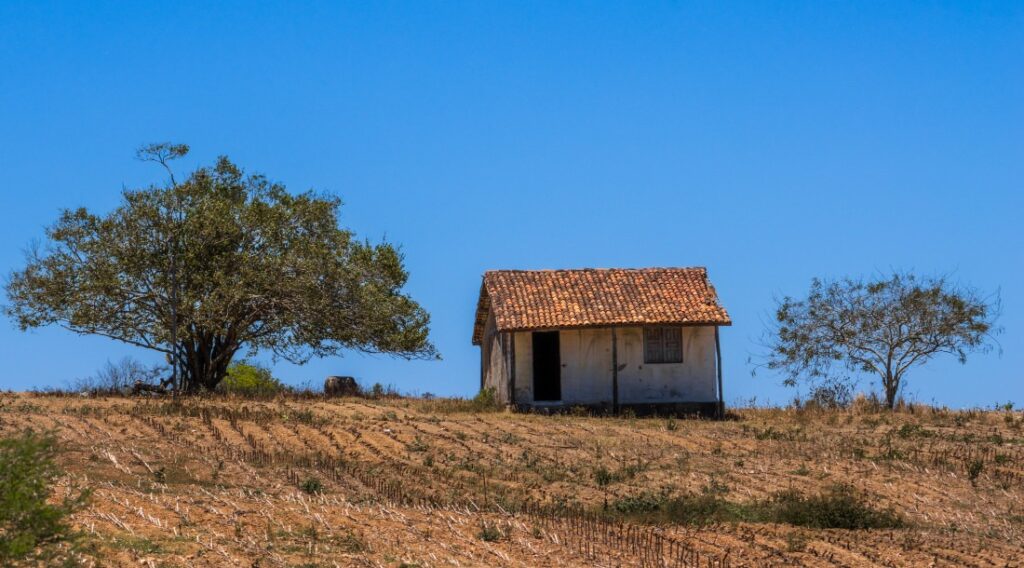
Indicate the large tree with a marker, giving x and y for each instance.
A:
(219, 262)
(882, 327)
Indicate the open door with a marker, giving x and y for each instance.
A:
(547, 366)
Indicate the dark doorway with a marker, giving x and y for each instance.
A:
(547, 366)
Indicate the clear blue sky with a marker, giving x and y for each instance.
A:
(770, 142)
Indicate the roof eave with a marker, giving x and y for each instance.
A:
(620, 324)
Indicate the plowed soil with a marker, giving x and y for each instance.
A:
(402, 482)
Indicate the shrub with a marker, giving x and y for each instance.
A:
(704, 508)
(690, 509)
(120, 377)
(490, 532)
(417, 445)
(31, 528)
(249, 379)
(485, 399)
(840, 507)
(603, 477)
(312, 485)
(832, 394)
(974, 469)
(645, 502)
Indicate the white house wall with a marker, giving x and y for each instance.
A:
(524, 367)
(693, 380)
(496, 370)
(587, 368)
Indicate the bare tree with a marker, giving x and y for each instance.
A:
(120, 377)
(882, 327)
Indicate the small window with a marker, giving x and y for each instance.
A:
(663, 345)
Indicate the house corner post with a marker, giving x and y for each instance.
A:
(512, 369)
(718, 366)
(615, 373)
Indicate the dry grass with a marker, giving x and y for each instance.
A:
(311, 482)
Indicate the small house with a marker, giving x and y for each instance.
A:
(601, 338)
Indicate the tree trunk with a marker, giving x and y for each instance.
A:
(891, 383)
(206, 364)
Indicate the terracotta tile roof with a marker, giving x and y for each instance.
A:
(546, 299)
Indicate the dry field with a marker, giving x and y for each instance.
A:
(288, 482)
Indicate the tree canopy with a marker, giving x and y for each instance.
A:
(882, 327)
(220, 262)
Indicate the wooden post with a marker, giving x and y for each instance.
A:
(484, 360)
(615, 373)
(718, 354)
(512, 369)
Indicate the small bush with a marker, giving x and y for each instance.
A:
(974, 469)
(249, 379)
(645, 502)
(840, 507)
(603, 477)
(379, 392)
(690, 509)
(312, 485)
(490, 532)
(913, 431)
(485, 399)
(31, 528)
(417, 445)
(831, 394)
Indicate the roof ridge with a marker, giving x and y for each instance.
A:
(595, 269)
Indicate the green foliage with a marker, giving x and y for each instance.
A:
(603, 477)
(379, 391)
(417, 445)
(236, 261)
(485, 400)
(312, 485)
(31, 528)
(882, 328)
(490, 532)
(974, 469)
(249, 379)
(645, 502)
(839, 507)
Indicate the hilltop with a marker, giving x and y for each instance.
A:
(409, 482)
